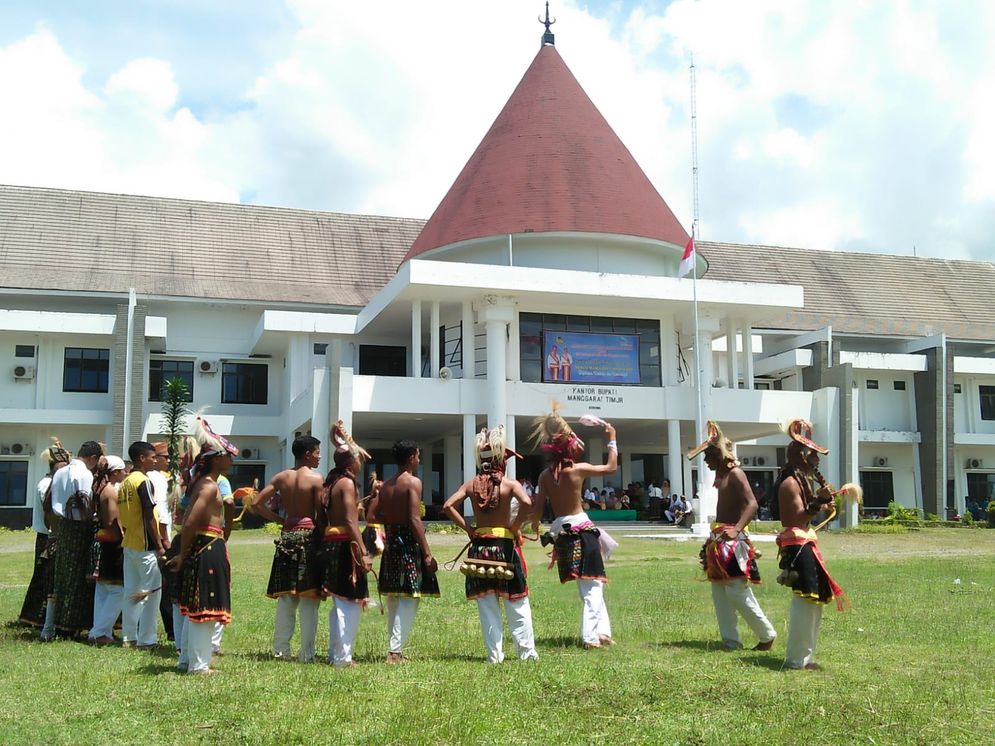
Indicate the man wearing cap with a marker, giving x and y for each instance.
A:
(108, 596)
(802, 566)
(728, 556)
(494, 566)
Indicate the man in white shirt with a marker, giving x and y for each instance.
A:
(36, 599)
(70, 601)
(679, 509)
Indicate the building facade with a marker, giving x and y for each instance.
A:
(282, 321)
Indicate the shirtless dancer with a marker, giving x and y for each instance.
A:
(407, 569)
(295, 578)
(108, 598)
(204, 570)
(578, 546)
(728, 556)
(346, 559)
(495, 537)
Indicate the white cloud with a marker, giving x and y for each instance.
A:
(845, 125)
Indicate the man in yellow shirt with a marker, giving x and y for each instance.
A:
(143, 548)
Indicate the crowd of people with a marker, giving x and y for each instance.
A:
(122, 543)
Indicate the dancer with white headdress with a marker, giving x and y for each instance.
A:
(579, 547)
(495, 567)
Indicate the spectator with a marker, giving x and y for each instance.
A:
(655, 497)
(679, 509)
(639, 498)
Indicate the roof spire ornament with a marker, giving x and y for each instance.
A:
(547, 38)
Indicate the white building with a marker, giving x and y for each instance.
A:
(282, 321)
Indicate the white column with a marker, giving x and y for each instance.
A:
(509, 428)
(624, 474)
(321, 407)
(426, 473)
(514, 344)
(675, 456)
(452, 455)
(707, 501)
(668, 350)
(433, 335)
(595, 449)
(469, 460)
(416, 339)
(747, 334)
(732, 369)
(496, 313)
(468, 343)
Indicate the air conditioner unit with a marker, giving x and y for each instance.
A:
(20, 449)
(881, 461)
(445, 373)
(4, 450)
(24, 372)
(250, 453)
(746, 461)
(974, 463)
(760, 461)
(208, 366)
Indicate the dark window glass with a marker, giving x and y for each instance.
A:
(161, 371)
(987, 396)
(624, 326)
(578, 323)
(244, 383)
(879, 489)
(243, 475)
(320, 348)
(554, 322)
(899, 385)
(957, 388)
(24, 350)
(980, 492)
(531, 371)
(602, 325)
(86, 370)
(649, 375)
(13, 482)
(648, 331)
(383, 360)
(871, 383)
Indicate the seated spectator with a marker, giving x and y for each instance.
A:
(638, 496)
(623, 503)
(679, 509)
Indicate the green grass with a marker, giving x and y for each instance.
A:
(910, 663)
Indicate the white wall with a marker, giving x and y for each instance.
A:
(901, 463)
(885, 408)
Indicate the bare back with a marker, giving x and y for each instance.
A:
(343, 503)
(396, 496)
(300, 492)
(736, 500)
(108, 507)
(499, 516)
(565, 495)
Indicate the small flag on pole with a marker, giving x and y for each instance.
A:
(687, 261)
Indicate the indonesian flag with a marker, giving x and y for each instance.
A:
(687, 261)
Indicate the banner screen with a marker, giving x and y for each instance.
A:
(588, 357)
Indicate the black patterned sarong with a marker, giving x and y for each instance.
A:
(72, 590)
(109, 565)
(36, 599)
(205, 580)
(296, 570)
(578, 555)
(342, 577)
(402, 571)
(496, 549)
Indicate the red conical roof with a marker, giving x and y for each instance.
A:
(550, 162)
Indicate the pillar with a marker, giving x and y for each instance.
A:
(510, 440)
(321, 407)
(452, 455)
(675, 456)
(469, 458)
(732, 369)
(416, 339)
(468, 343)
(495, 314)
(514, 366)
(433, 335)
(425, 472)
(595, 453)
(747, 333)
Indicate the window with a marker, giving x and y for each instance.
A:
(244, 383)
(872, 383)
(24, 350)
(980, 492)
(161, 371)
(532, 325)
(383, 360)
(86, 370)
(987, 396)
(899, 385)
(957, 388)
(13, 482)
(320, 348)
(245, 475)
(879, 490)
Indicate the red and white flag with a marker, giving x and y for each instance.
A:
(687, 261)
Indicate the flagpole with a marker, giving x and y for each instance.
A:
(698, 352)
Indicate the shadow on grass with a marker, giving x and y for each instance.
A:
(709, 646)
(770, 662)
(562, 641)
(153, 668)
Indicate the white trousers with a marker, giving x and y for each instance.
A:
(140, 618)
(179, 622)
(400, 621)
(736, 595)
(804, 619)
(197, 649)
(594, 621)
(343, 624)
(519, 622)
(107, 607)
(219, 630)
(287, 608)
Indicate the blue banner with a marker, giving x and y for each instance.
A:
(589, 357)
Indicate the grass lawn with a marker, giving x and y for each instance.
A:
(912, 662)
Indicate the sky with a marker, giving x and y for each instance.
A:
(852, 125)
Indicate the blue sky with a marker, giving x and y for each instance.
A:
(850, 125)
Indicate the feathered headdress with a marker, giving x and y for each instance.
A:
(491, 448)
(554, 435)
(212, 444)
(55, 453)
(717, 440)
(800, 431)
(345, 446)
